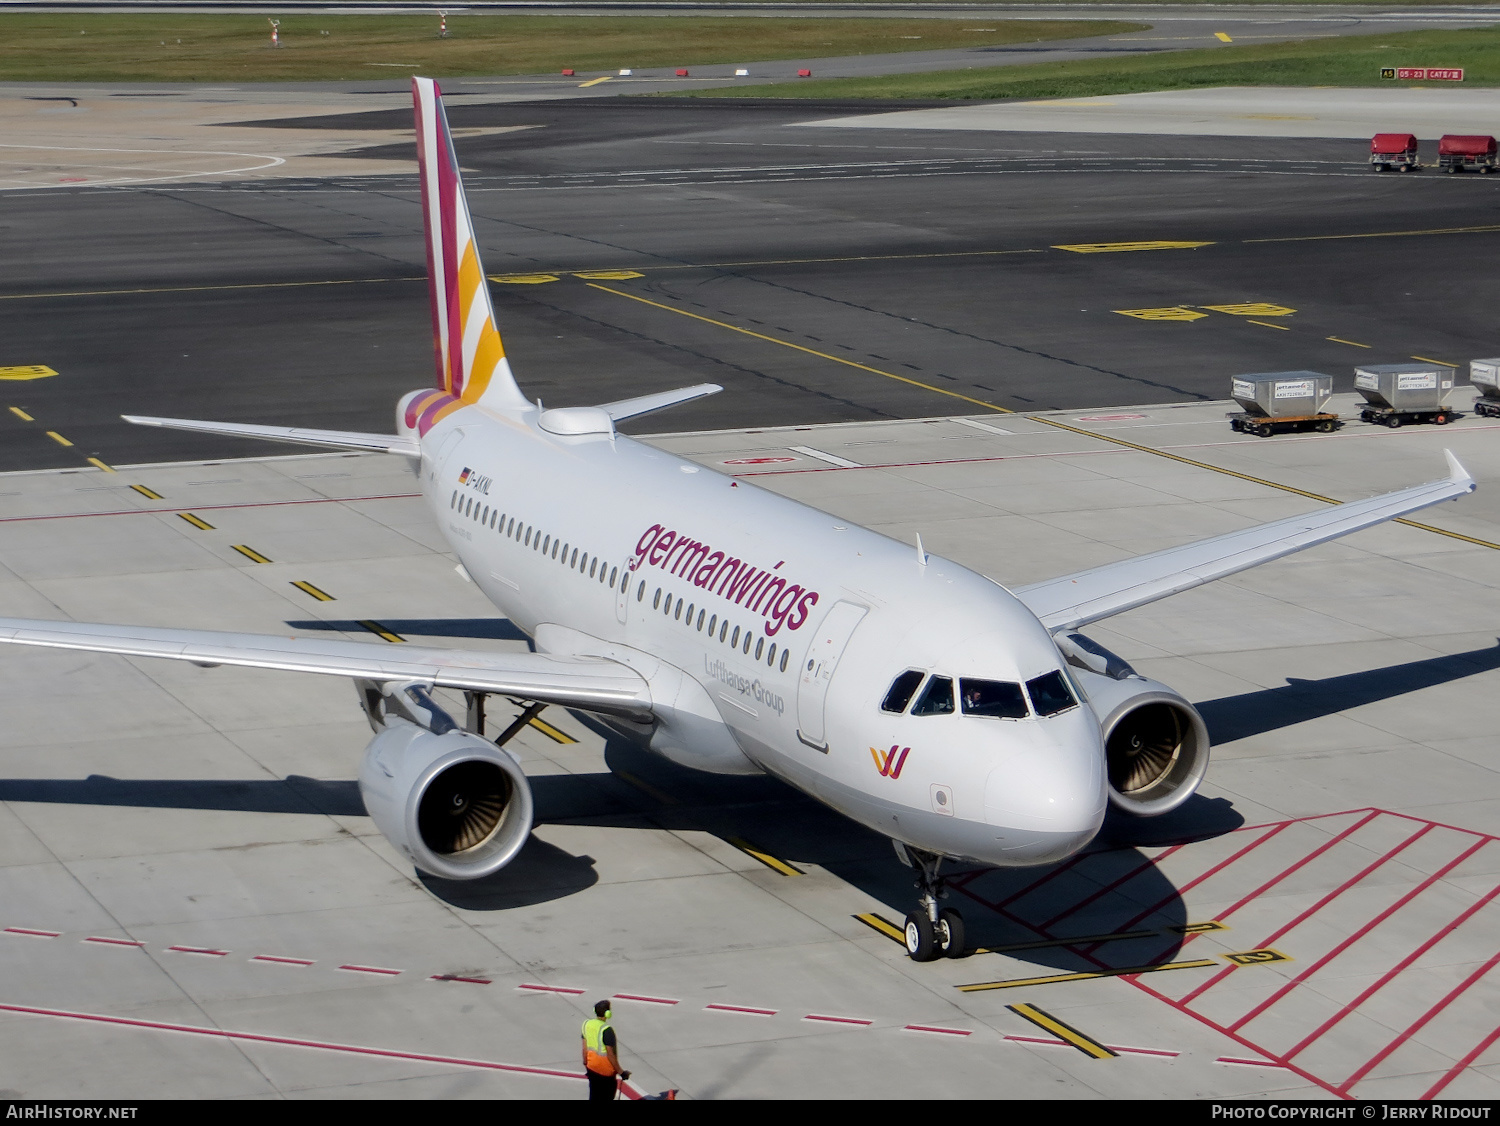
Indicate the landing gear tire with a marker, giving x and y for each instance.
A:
(950, 933)
(921, 941)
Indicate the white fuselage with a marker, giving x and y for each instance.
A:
(653, 559)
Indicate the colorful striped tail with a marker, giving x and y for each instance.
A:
(470, 360)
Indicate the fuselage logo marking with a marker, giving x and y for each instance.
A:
(890, 762)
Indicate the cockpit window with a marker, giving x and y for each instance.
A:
(998, 699)
(937, 698)
(1050, 694)
(901, 691)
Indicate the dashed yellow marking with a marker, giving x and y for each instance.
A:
(22, 415)
(1252, 309)
(881, 925)
(1084, 975)
(1351, 343)
(308, 588)
(646, 788)
(1223, 37)
(26, 371)
(1258, 957)
(765, 858)
(97, 464)
(1200, 928)
(802, 348)
(250, 553)
(196, 521)
(1120, 247)
(553, 733)
(151, 494)
(609, 275)
(1430, 360)
(1085, 1044)
(58, 438)
(594, 82)
(381, 632)
(1382, 234)
(1268, 324)
(1170, 313)
(523, 279)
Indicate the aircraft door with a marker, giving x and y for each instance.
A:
(818, 667)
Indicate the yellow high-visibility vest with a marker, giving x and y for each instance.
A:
(593, 1042)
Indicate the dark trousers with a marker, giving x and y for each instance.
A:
(602, 1086)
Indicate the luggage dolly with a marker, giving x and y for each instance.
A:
(1486, 408)
(1265, 425)
(1388, 416)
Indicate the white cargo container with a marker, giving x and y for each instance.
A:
(1278, 401)
(1400, 393)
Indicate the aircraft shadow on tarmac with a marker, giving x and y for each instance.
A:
(1113, 888)
(486, 629)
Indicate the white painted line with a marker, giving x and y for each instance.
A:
(977, 425)
(831, 459)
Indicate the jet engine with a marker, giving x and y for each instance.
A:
(1155, 742)
(452, 802)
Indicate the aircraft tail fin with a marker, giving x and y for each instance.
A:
(469, 357)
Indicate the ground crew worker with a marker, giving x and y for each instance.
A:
(601, 1057)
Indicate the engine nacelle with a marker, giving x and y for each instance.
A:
(1155, 742)
(454, 804)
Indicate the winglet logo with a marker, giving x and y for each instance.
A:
(463, 478)
(890, 762)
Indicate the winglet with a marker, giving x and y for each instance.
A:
(1457, 473)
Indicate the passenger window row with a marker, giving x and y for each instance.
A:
(550, 546)
(1048, 694)
(694, 618)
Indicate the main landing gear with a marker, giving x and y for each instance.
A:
(930, 932)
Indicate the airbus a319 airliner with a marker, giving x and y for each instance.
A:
(732, 630)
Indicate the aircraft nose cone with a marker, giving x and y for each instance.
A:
(1051, 786)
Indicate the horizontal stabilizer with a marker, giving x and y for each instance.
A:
(339, 439)
(646, 404)
(590, 684)
(1087, 596)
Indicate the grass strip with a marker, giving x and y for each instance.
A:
(1336, 61)
(196, 47)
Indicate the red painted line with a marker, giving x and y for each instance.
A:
(114, 941)
(552, 989)
(1145, 864)
(1385, 979)
(455, 977)
(1452, 1073)
(741, 1009)
(33, 933)
(1038, 1040)
(1359, 934)
(204, 508)
(1250, 1063)
(282, 961)
(198, 950)
(262, 1038)
(1162, 1052)
(1308, 913)
(945, 1031)
(370, 970)
(838, 1020)
(648, 1000)
(1417, 1025)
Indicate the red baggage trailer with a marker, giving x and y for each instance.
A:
(1394, 150)
(1457, 152)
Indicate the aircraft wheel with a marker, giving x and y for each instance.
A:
(951, 933)
(921, 942)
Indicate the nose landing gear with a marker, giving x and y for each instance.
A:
(931, 932)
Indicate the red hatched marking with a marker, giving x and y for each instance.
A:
(277, 960)
(456, 977)
(944, 1031)
(1250, 1063)
(354, 969)
(1161, 1053)
(198, 950)
(1044, 1041)
(33, 933)
(742, 1009)
(113, 941)
(838, 1020)
(647, 1000)
(551, 989)
(263, 1038)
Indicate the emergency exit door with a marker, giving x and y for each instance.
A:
(818, 667)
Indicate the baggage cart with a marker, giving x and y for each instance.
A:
(1397, 394)
(1279, 402)
(1456, 152)
(1485, 376)
(1394, 150)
